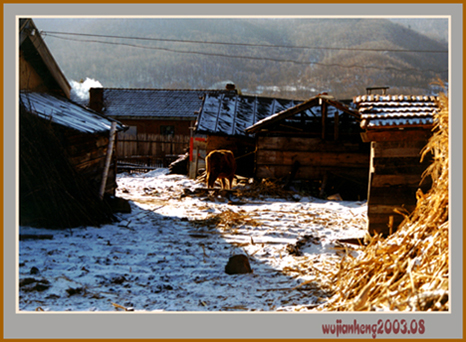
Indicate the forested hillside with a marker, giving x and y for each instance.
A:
(295, 58)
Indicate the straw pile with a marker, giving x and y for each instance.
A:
(408, 271)
(226, 221)
(264, 188)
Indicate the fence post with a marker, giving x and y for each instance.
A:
(108, 160)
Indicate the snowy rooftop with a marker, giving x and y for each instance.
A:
(66, 113)
(396, 110)
(232, 114)
(174, 103)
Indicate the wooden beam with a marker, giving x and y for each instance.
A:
(393, 196)
(337, 126)
(409, 134)
(281, 116)
(388, 209)
(393, 149)
(395, 180)
(324, 117)
(313, 158)
(358, 175)
(385, 218)
(304, 144)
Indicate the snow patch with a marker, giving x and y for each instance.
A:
(170, 253)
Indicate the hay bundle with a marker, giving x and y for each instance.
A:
(408, 271)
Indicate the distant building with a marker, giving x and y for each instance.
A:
(160, 121)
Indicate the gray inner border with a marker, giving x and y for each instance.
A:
(224, 325)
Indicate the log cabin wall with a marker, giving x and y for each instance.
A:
(242, 148)
(275, 155)
(343, 161)
(317, 140)
(395, 176)
(87, 154)
(398, 127)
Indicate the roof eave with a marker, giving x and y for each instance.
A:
(32, 33)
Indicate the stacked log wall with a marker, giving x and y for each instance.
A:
(395, 176)
(87, 153)
(276, 155)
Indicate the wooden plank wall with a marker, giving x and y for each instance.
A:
(151, 149)
(87, 153)
(242, 147)
(395, 177)
(276, 155)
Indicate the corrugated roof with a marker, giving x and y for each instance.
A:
(118, 102)
(384, 111)
(231, 114)
(66, 113)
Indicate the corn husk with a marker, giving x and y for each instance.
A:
(409, 270)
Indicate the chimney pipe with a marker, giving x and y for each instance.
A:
(230, 87)
(96, 99)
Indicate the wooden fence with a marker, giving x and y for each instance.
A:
(152, 150)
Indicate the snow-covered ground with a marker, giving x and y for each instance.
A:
(170, 252)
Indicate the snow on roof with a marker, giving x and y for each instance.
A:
(119, 102)
(231, 114)
(396, 110)
(66, 113)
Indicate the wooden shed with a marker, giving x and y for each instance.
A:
(63, 145)
(397, 128)
(318, 139)
(222, 122)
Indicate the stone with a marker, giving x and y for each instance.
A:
(238, 264)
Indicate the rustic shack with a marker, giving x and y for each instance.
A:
(397, 128)
(38, 70)
(221, 125)
(317, 140)
(159, 121)
(64, 167)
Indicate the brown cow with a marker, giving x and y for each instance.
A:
(220, 164)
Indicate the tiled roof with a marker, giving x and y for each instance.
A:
(66, 113)
(231, 114)
(118, 102)
(385, 111)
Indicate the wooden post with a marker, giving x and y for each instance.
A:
(323, 105)
(108, 160)
(196, 161)
(337, 124)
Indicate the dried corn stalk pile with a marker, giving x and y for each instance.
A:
(408, 271)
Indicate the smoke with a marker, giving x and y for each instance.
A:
(80, 90)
